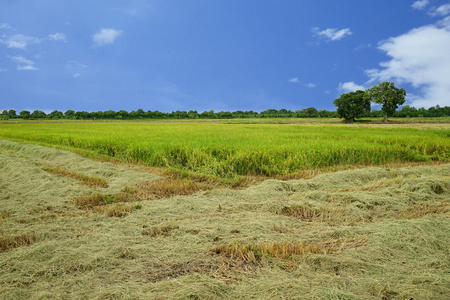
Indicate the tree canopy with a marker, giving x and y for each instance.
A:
(388, 96)
(351, 106)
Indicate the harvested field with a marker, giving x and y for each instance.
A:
(369, 233)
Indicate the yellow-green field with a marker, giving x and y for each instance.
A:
(73, 226)
(230, 150)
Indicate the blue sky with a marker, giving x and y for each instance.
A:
(224, 55)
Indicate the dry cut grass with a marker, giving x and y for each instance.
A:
(84, 179)
(159, 230)
(110, 204)
(11, 242)
(252, 253)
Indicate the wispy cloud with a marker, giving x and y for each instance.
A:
(442, 10)
(23, 63)
(105, 36)
(20, 41)
(310, 85)
(420, 4)
(363, 46)
(420, 58)
(331, 34)
(296, 80)
(58, 37)
(350, 86)
(27, 68)
(75, 68)
(4, 26)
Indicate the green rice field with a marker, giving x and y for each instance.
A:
(228, 150)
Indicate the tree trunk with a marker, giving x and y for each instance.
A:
(385, 119)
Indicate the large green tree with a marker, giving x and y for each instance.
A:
(24, 114)
(388, 96)
(351, 106)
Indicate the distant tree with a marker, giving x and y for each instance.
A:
(69, 114)
(311, 112)
(269, 113)
(12, 113)
(25, 114)
(193, 114)
(56, 114)
(122, 114)
(388, 96)
(208, 115)
(407, 111)
(38, 114)
(351, 106)
(109, 114)
(82, 115)
(224, 115)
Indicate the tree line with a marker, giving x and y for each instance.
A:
(350, 106)
(311, 112)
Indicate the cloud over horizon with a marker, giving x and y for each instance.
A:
(350, 86)
(421, 58)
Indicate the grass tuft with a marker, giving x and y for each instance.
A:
(110, 204)
(5, 214)
(84, 179)
(420, 211)
(167, 187)
(304, 213)
(252, 253)
(160, 230)
(11, 242)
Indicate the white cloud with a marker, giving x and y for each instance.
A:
(310, 85)
(105, 36)
(421, 58)
(332, 34)
(442, 10)
(21, 60)
(444, 23)
(4, 26)
(350, 86)
(294, 80)
(23, 63)
(2, 70)
(76, 75)
(58, 37)
(20, 41)
(27, 68)
(420, 4)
